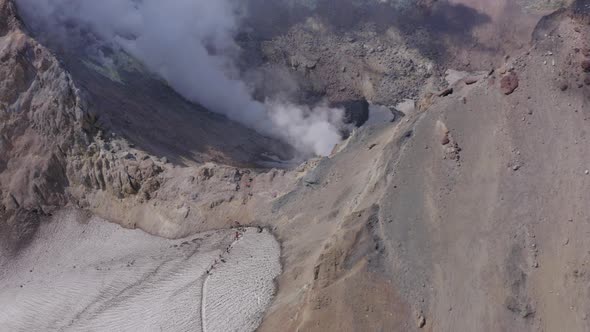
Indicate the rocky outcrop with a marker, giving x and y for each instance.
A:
(41, 117)
(509, 83)
(71, 136)
(57, 149)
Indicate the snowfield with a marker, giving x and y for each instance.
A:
(81, 274)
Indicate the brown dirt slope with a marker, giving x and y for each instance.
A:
(471, 215)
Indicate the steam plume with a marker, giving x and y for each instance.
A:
(190, 44)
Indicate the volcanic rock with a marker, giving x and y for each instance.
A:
(563, 86)
(356, 112)
(471, 80)
(445, 92)
(509, 83)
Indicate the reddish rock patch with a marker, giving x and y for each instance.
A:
(509, 83)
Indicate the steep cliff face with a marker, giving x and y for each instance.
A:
(71, 135)
(42, 122)
(46, 132)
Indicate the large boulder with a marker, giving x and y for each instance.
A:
(509, 83)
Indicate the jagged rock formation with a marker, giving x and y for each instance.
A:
(62, 142)
(41, 124)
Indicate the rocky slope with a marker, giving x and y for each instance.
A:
(42, 122)
(467, 214)
(383, 51)
(470, 217)
(64, 143)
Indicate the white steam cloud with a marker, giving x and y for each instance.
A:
(190, 44)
